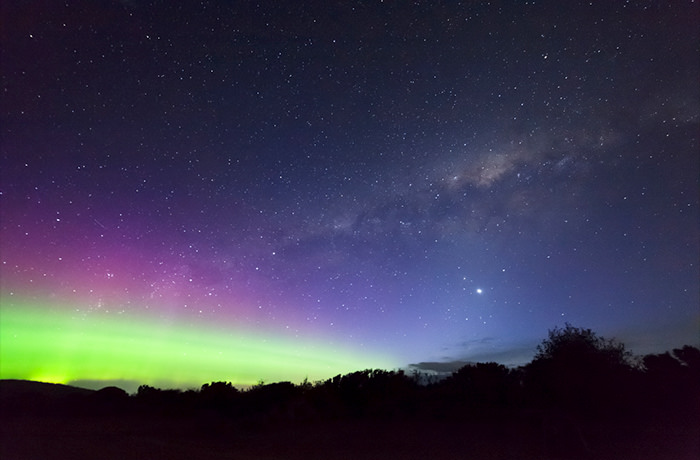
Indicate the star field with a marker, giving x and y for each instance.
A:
(373, 183)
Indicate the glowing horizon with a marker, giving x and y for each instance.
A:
(57, 345)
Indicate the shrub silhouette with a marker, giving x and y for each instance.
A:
(110, 399)
(672, 380)
(476, 390)
(219, 396)
(576, 368)
(690, 357)
(371, 392)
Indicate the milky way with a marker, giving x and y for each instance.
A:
(311, 189)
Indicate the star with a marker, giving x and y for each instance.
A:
(329, 188)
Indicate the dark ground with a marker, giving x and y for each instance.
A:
(25, 437)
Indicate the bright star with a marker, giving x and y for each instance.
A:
(479, 291)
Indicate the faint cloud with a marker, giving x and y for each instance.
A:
(491, 349)
(438, 367)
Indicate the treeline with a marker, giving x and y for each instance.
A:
(574, 371)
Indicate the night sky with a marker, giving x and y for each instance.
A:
(231, 190)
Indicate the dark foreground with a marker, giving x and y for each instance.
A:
(158, 437)
(581, 398)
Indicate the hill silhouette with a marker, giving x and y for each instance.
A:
(12, 388)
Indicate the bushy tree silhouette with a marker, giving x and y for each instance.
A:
(663, 365)
(672, 380)
(576, 368)
(110, 400)
(476, 390)
(581, 346)
(690, 357)
(371, 392)
(219, 396)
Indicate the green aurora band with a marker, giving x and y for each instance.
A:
(58, 345)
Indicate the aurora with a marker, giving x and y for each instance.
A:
(59, 345)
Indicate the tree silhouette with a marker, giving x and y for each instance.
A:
(581, 345)
(690, 356)
(672, 379)
(576, 368)
(218, 396)
(476, 390)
